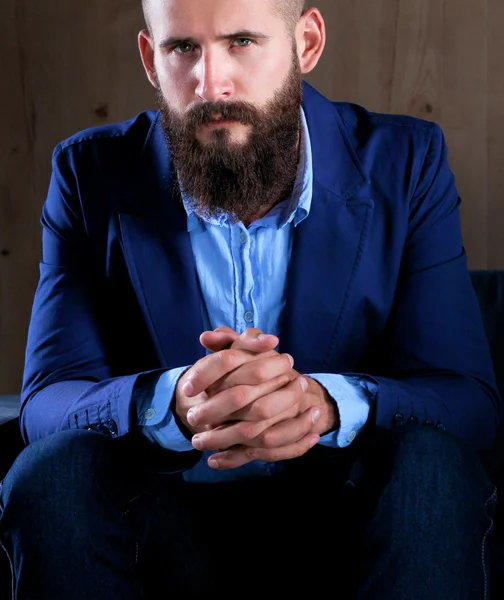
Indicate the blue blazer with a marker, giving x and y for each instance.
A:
(377, 283)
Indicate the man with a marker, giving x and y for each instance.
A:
(255, 362)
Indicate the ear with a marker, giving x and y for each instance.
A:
(146, 46)
(310, 39)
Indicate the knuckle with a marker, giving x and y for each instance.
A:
(262, 411)
(247, 430)
(259, 372)
(267, 439)
(251, 453)
(193, 373)
(238, 397)
(283, 380)
(229, 359)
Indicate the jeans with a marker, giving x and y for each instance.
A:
(402, 515)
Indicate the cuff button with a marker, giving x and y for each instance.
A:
(398, 419)
(150, 414)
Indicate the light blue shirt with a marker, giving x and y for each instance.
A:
(243, 275)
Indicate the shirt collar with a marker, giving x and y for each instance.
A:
(293, 210)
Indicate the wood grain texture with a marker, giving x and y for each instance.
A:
(495, 148)
(71, 65)
(441, 60)
(65, 66)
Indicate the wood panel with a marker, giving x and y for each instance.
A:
(65, 66)
(70, 65)
(426, 59)
(495, 152)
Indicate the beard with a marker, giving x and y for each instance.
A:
(237, 179)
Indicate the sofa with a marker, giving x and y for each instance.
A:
(489, 287)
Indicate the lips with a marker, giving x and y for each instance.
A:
(219, 119)
(220, 122)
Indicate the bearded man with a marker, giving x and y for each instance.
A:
(256, 363)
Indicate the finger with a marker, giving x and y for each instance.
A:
(223, 406)
(211, 368)
(226, 329)
(262, 434)
(288, 432)
(258, 369)
(224, 437)
(253, 340)
(247, 433)
(275, 403)
(217, 340)
(241, 455)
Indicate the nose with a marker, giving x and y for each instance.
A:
(214, 81)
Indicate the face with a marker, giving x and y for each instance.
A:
(197, 61)
(228, 79)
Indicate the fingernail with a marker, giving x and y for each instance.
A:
(261, 337)
(315, 416)
(304, 384)
(313, 442)
(192, 416)
(188, 388)
(213, 463)
(197, 442)
(291, 360)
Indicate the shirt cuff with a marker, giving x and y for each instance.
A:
(354, 396)
(155, 419)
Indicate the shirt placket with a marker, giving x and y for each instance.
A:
(246, 316)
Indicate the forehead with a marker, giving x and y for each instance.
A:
(207, 17)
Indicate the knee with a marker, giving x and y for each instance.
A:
(441, 459)
(430, 445)
(59, 465)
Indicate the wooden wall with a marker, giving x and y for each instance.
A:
(69, 65)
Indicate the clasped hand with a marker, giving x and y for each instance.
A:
(247, 402)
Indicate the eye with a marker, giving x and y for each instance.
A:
(243, 42)
(183, 48)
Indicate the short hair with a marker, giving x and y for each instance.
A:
(289, 10)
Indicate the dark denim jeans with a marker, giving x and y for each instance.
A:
(402, 515)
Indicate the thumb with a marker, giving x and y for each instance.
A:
(254, 340)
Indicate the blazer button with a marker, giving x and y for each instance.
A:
(428, 423)
(398, 420)
(441, 427)
(413, 420)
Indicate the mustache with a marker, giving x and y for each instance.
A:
(205, 113)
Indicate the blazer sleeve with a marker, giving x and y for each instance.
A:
(68, 381)
(441, 364)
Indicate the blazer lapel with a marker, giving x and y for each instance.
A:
(328, 245)
(326, 255)
(158, 254)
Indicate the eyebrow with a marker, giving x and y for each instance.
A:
(176, 40)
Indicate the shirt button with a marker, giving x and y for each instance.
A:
(150, 414)
(249, 317)
(352, 436)
(243, 237)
